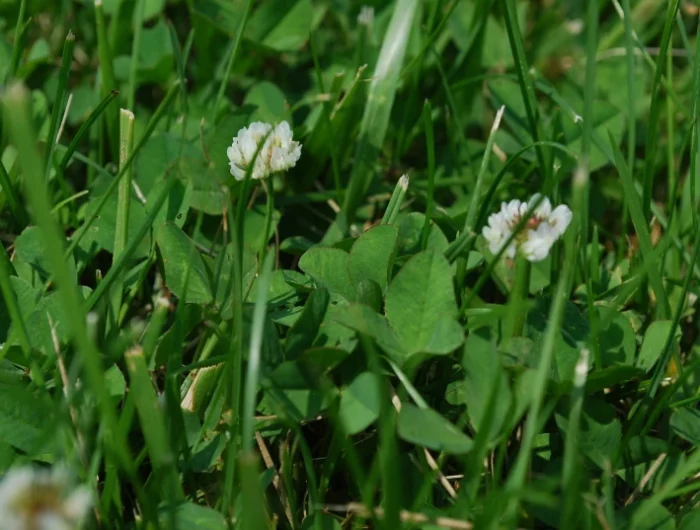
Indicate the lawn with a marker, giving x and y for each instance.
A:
(322, 265)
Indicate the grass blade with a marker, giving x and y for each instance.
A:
(380, 100)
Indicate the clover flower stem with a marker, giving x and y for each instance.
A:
(269, 209)
(517, 299)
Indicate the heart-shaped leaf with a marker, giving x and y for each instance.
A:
(427, 428)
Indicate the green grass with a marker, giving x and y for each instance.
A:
(335, 347)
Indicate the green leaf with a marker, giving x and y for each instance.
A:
(601, 431)
(482, 367)
(617, 339)
(329, 268)
(571, 337)
(654, 342)
(410, 230)
(427, 428)
(421, 307)
(372, 255)
(269, 100)
(302, 334)
(686, 424)
(29, 247)
(364, 320)
(360, 403)
(283, 25)
(184, 268)
(26, 422)
(190, 515)
(102, 229)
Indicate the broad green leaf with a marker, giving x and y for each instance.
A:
(269, 100)
(29, 247)
(364, 320)
(654, 342)
(659, 518)
(482, 368)
(617, 340)
(360, 403)
(303, 333)
(190, 515)
(102, 229)
(421, 307)
(572, 336)
(427, 428)
(601, 431)
(184, 268)
(372, 255)
(410, 231)
(686, 424)
(329, 268)
(26, 422)
(283, 25)
(690, 521)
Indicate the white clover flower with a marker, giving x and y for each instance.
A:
(542, 230)
(279, 151)
(41, 499)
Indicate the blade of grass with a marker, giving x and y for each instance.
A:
(84, 128)
(380, 100)
(13, 200)
(572, 465)
(655, 112)
(430, 149)
(17, 46)
(254, 355)
(695, 142)
(153, 424)
(395, 201)
(231, 59)
(640, 225)
(155, 119)
(526, 86)
(107, 79)
(126, 144)
(139, 9)
(57, 110)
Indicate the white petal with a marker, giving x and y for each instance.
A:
(538, 243)
(78, 504)
(544, 209)
(560, 219)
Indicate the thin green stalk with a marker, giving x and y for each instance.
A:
(231, 59)
(572, 463)
(155, 119)
(13, 200)
(380, 100)
(526, 86)
(108, 81)
(153, 424)
(395, 201)
(655, 112)
(139, 9)
(15, 314)
(473, 211)
(642, 228)
(120, 263)
(121, 228)
(84, 128)
(517, 300)
(58, 108)
(430, 149)
(671, 173)
(695, 142)
(17, 46)
(254, 355)
(269, 210)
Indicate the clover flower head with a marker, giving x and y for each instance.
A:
(278, 150)
(542, 230)
(41, 499)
